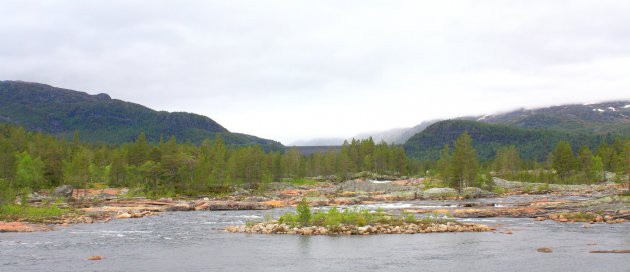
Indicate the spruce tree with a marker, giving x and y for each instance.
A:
(465, 166)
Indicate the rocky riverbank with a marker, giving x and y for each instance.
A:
(405, 228)
(602, 204)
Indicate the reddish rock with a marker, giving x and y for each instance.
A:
(21, 227)
(95, 258)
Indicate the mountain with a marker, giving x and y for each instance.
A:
(533, 144)
(101, 119)
(600, 118)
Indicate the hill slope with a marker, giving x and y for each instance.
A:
(98, 118)
(487, 138)
(601, 118)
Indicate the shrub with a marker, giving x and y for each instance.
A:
(303, 213)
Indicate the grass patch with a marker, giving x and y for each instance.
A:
(499, 190)
(580, 216)
(334, 218)
(30, 213)
(303, 181)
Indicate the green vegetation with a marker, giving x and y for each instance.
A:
(333, 218)
(35, 161)
(580, 216)
(100, 119)
(563, 166)
(459, 167)
(532, 144)
(30, 213)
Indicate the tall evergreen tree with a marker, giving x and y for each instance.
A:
(563, 160)
(465, 166)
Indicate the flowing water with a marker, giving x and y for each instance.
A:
(194, 241)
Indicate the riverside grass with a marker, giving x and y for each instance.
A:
(30, 213)
(356, 221)
(303, 217)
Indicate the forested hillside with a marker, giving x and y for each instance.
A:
(100, 119)
(532, 144)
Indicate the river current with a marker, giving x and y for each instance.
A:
(195, 241)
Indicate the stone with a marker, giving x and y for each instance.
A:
(95, 258)
(317, 201)
(544, 250)
(611, 251)
(64, 191)
(180, 207)
(123, 216)
(540, 219)
(472, 192)
(439, 193)
(202, 206)
(346, 200)
(21, 227)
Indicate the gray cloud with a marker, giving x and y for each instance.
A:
(317, 69)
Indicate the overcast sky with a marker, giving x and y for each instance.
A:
(295, 70)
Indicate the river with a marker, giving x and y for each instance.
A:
(194, 241)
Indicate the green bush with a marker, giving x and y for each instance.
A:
(333, 218)
(303, 213)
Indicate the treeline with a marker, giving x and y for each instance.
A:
(39, 161)
(461, 168)
(563, 165)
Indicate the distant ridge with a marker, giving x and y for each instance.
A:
(101, 119)
(533, 144)
(599, 118)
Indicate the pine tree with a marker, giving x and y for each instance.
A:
(465, 166)
(444, 164)
(585, 162)
(563, 161)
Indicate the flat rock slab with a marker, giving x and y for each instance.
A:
(21, 227)
(611, 251)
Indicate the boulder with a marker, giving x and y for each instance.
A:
(439, 193)
(472, 192)
(95, 258)
(21, 227)
(180, 207)
(544, 250)
(202, 206)
(317, 200)
(63, 190)
(347, 200)
(123, 216)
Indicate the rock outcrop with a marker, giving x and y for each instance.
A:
(405, 228)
